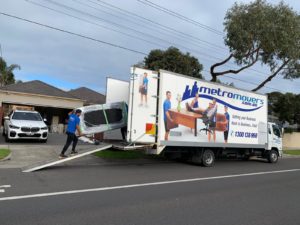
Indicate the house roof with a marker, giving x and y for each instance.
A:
(88, 95)
(37, 87)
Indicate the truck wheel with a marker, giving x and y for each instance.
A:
(272, 156)
(208, 158)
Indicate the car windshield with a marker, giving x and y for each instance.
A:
(27, 116)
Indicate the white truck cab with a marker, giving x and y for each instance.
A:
(274, 140)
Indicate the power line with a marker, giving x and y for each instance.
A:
(180, 16)
(243, 81)
(153, 22)
(109, 22)
(170, 29)
(184, 18)
(104, 42)
(96, 24)
(58, 11)
(126, 27)
(73, 33)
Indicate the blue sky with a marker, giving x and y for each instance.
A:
(69, 62)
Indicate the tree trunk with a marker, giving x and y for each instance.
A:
(270, 77)
(212, 68)
(216, 74)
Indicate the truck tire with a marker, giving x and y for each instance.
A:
(272, 157)
(208, 158)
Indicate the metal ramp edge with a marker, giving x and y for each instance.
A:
(43, 165)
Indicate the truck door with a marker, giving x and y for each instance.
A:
(276, 137)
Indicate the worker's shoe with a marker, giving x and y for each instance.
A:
(62, 156)
(74, 152)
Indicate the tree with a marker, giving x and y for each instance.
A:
(265, 33)
(6, 73)
(173, 60)
(285, 106)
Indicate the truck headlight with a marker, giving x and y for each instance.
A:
(13, 127)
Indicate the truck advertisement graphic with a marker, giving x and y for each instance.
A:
(193, 110)
(142, 108)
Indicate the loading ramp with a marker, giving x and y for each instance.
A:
(49, 163)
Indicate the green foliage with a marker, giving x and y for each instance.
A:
(6, 73)
(175, 61)
(266, 33)
(285, 106)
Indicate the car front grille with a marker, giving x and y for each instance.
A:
(23, 135)
(32, 129)
(35, 129)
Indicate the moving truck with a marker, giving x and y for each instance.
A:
(199, 120)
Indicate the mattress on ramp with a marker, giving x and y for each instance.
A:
(99, 118)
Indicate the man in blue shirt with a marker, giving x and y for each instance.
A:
(144, 89)
(166, 107)
(73, 125)
(227, 124)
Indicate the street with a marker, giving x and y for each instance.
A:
(232, 192)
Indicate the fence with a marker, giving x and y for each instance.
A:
(291, 140)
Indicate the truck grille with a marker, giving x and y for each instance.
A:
(32, 129)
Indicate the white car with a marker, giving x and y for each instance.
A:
(21, 124)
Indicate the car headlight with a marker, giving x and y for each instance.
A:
(13, 127)
(44, 128)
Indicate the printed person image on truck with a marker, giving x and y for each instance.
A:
(227, 116)
(211, 115)
(144, 89)
(166, 107)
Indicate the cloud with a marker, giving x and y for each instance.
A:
(72, 61)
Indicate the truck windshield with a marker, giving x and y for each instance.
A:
(26, 116)
(276, 131)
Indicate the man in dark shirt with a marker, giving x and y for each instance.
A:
(73, 125)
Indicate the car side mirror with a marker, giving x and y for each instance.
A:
(6, 118)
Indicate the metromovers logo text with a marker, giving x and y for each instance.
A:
(212, 93)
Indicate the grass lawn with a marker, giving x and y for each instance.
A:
(4, 153)
(119, 154)
(291, 152)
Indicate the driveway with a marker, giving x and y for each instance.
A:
(29, 152)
